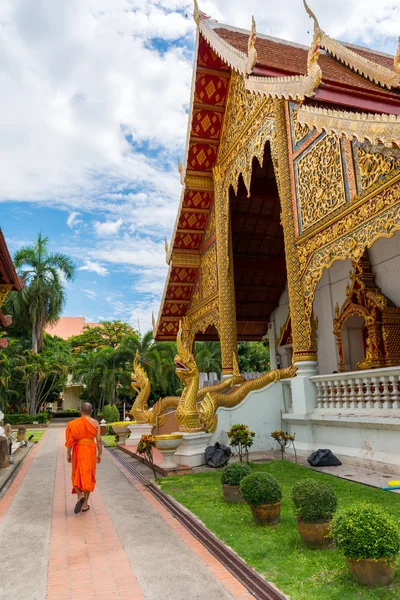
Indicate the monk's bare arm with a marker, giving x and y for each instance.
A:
(99, 445)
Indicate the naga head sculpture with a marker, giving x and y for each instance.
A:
(185, 363)
(138, 376)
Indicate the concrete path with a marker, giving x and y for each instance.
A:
(127, 546)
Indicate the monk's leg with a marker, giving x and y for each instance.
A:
(78, 492)
(85, 504)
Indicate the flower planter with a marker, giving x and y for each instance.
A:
(371, 572)
(121, 432)
(232, 494)
(168, 444)
(136, 431)
(266, 514)
(315, 535)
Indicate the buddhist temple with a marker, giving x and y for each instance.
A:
(289, 228)
(9, 280)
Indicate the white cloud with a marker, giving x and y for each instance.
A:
(90, 294)
(107, 228)
(73, 220)
(94, 267)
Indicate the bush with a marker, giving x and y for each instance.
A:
(260, 488)
(234, 473)
(365, 531)
(110, 413)
(24, 419)
(241, 438)
(64, 414)
(313, 501)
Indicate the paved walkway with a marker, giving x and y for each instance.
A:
(127, 546)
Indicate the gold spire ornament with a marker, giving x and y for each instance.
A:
(251, 48)
(197, 13)
(396, 61)
(313, 17)
(181, 173)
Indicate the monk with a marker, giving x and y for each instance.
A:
(80, 438)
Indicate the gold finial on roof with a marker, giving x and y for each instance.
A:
(251, 47)
(153, 320)
(197, 13)
(312, 16)
(166, 245)
(180, 169)
(396, 61)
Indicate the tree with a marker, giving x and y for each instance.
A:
(208, 357)
(42, 300)
(253, 357)
(107, 333)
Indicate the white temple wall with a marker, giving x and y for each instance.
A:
(385, 261)
(261, 411)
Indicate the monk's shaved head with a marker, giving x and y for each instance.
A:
(86, 408)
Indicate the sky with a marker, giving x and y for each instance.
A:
(94, 101)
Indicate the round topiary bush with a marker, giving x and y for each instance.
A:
(365, 531)
(234, 473)
(313, 501)
(260, 488)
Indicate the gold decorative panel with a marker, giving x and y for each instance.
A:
(242, 108)
(374, 166)
(209, 283)
(320, 181)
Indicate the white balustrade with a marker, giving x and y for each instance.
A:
(375, 389)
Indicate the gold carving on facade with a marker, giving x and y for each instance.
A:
(4, 291)
(182, 259)
(348, 237)
(210, 229)
(198, 182)
(241, 109)
(320, 181)
(384, 129)
(300, 130)
(209, 283)
(374, 167)
(381, 319)
(302, 334)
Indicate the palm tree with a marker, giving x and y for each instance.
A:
(208, 357)
(42, 300)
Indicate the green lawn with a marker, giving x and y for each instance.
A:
(109, 439)
(37, 433)
(278, 552)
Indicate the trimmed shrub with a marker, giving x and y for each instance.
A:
(313, 501)
(24, 419)
(365, 531)
(64, 414)
(234, 473)
(111, 413)
(260, 488)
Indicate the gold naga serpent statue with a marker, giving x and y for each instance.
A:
(189, 416)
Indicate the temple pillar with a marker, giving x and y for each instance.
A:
(303, 329)
(272, 345)
(226, 284)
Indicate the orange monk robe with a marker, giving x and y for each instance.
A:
(79, 436)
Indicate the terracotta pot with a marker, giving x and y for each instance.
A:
(232, 494)
(266, 514)
(372, 572)
(315, 535)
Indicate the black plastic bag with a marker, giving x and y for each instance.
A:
(218, 455)
(323, 458)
